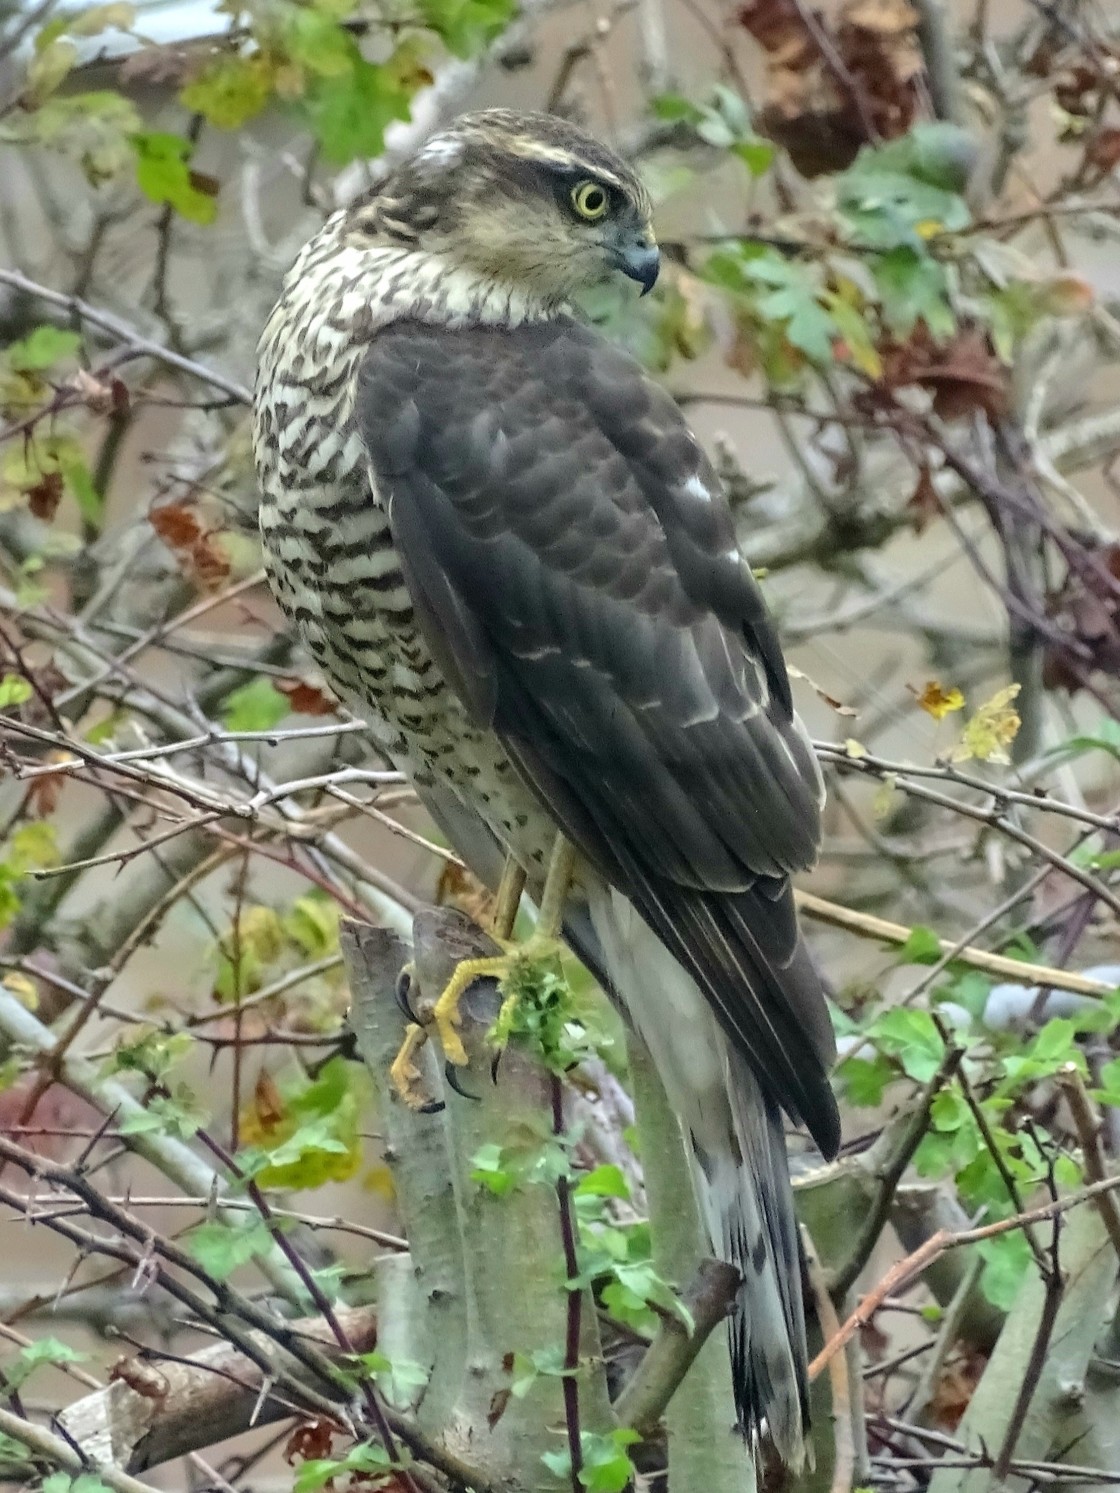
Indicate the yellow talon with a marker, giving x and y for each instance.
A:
(403, 1072)
(445, 1013)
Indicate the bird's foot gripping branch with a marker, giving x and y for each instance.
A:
(530, 1266)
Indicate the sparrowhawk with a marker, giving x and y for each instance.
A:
(506, 549)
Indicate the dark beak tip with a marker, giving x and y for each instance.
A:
(642, 264)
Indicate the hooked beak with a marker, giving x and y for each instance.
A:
(640, 260)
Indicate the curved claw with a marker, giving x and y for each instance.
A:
(401, 992)
(495, 1062)
(433, 1107)
(451, 1077)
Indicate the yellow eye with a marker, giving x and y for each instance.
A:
(590, 200)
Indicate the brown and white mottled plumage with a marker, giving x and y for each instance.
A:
(505, 547)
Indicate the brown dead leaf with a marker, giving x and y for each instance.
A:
(307, 699)
(1103, 150)
(833, 86)
(209, 562)
(177, 526)
(498, 1403)
(203, 182)
(44, 791)
(198, 550)
(955, 1387)
(142, 1378)
(883, 17)
(923, 505)
(963, 375)
(969, 378)
(268, 1103)
(44, 497)
(457, 887)
(1076, 89)
(312, 1440)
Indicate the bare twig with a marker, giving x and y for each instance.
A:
(1087, 1123)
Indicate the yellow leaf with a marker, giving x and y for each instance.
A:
(49, 68)
(22, 988)
(118, 16)
(854, 748)
(991, 730)
(938, 701)
(379, 1179)
(882, 805)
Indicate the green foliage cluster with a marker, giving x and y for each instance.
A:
(307, 57)
(897, 1051)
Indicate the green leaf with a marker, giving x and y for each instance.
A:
(319, 43)
(348, 114)
(922, 947)
(164, 175)
(32, 846)
(179, 1115)
(1007, 1259)
(912, 288)
(42, 349)
(606, 1466)
(367, 1459)
(948, 1110)
(901, 192)
(755, 153)
(48, 70)
(312, 923)
(912, 1037)
(1109, 1091)
(153, 1054)
(232, 89)
(221, 1248)
(938, 153)
(317, 1139)
(45, 1350)
(85, 1482)
(467, 26)
(399, 1379)
(793, 301)
(490, 1169)
(117, 15)
(605, 1181)
(14, 690)
(79, 483)
(93, 128)
(543, 1363)
(1055, 1044)
(256, 706)
(865, 1079)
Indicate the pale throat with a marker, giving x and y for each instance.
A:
(407, 281)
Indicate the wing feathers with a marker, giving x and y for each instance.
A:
(577, 578)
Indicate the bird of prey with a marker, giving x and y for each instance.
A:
(505, 548)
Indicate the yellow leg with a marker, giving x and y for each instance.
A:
(557, 884)
(445, 1013)
(508, 899)
(403, 1072)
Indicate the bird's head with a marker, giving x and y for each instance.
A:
(527, 199)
